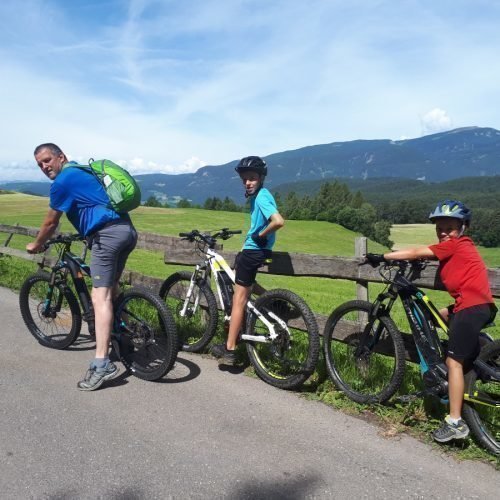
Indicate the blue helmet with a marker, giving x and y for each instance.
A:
(451, 208)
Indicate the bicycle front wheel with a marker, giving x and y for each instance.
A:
(196, 326)
(290, 359)
(484, 418)
(364, 355)
(55, 323)
(146, 333)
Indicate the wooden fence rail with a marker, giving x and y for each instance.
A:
(182, 252)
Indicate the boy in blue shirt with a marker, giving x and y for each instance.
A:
(265, 220)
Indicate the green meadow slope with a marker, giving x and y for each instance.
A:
(297, 236)
(316, 237)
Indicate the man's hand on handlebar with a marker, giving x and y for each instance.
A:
(34, 247)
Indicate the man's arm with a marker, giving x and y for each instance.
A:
(47, 229)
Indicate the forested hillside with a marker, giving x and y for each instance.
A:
(434, 158)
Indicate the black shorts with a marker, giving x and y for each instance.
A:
(465, 326)
(247, 263)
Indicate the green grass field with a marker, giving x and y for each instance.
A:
(297, 236)
(323, 238)
(322, 295)
(406, 235)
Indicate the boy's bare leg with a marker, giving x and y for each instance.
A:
(455, 386)
(240, 299)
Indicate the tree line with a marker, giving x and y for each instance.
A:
(335, 203)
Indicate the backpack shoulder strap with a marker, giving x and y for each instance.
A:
(87, 168)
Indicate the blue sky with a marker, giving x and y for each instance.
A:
(169, 86)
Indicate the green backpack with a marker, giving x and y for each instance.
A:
(122, 189)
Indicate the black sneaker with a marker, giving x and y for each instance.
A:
(221, 351)
(449, 431)
(95, 377)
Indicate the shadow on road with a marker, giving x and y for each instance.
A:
(238, 368)
(184, 370)
(84, 342)
(290, 488)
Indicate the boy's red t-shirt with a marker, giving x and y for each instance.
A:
(463, 272)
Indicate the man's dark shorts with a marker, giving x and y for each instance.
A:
(111, 247)
(465, 326)
(247, 263)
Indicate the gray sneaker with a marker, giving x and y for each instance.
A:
(449, 431)
(95, 377)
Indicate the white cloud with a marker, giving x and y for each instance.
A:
(141, 166)
(436, 120)
(21, 171)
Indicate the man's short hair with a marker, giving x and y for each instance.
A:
(48, 145)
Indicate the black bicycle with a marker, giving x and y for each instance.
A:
(280, 331)
(365, 353)
(53, 305)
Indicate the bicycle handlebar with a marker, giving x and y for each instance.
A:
(195, 235)
(377, 259)
(63, 238)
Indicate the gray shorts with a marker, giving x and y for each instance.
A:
(111, 247)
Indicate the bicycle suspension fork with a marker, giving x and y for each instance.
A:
(187, 301)
(48, 310)
(370, 337)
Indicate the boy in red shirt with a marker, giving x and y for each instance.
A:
(464, 275)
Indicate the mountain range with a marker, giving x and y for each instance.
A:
(463, 152)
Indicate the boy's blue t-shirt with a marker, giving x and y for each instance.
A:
(80, 195)
(262, 207)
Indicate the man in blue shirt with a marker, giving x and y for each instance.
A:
(265, 220)
(111, 237)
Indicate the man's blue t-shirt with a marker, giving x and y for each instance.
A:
(262, 207)
(80, 195)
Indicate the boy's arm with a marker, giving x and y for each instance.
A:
(411, 254)
(276, 222)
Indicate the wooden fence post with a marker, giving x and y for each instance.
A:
(360, 249)
(9, 237)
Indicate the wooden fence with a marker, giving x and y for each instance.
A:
(178, 251)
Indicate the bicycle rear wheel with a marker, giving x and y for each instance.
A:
(484, 419)
(145, 331)
(198, 325)
(371, 373)
(55, 324)
(289, 360)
